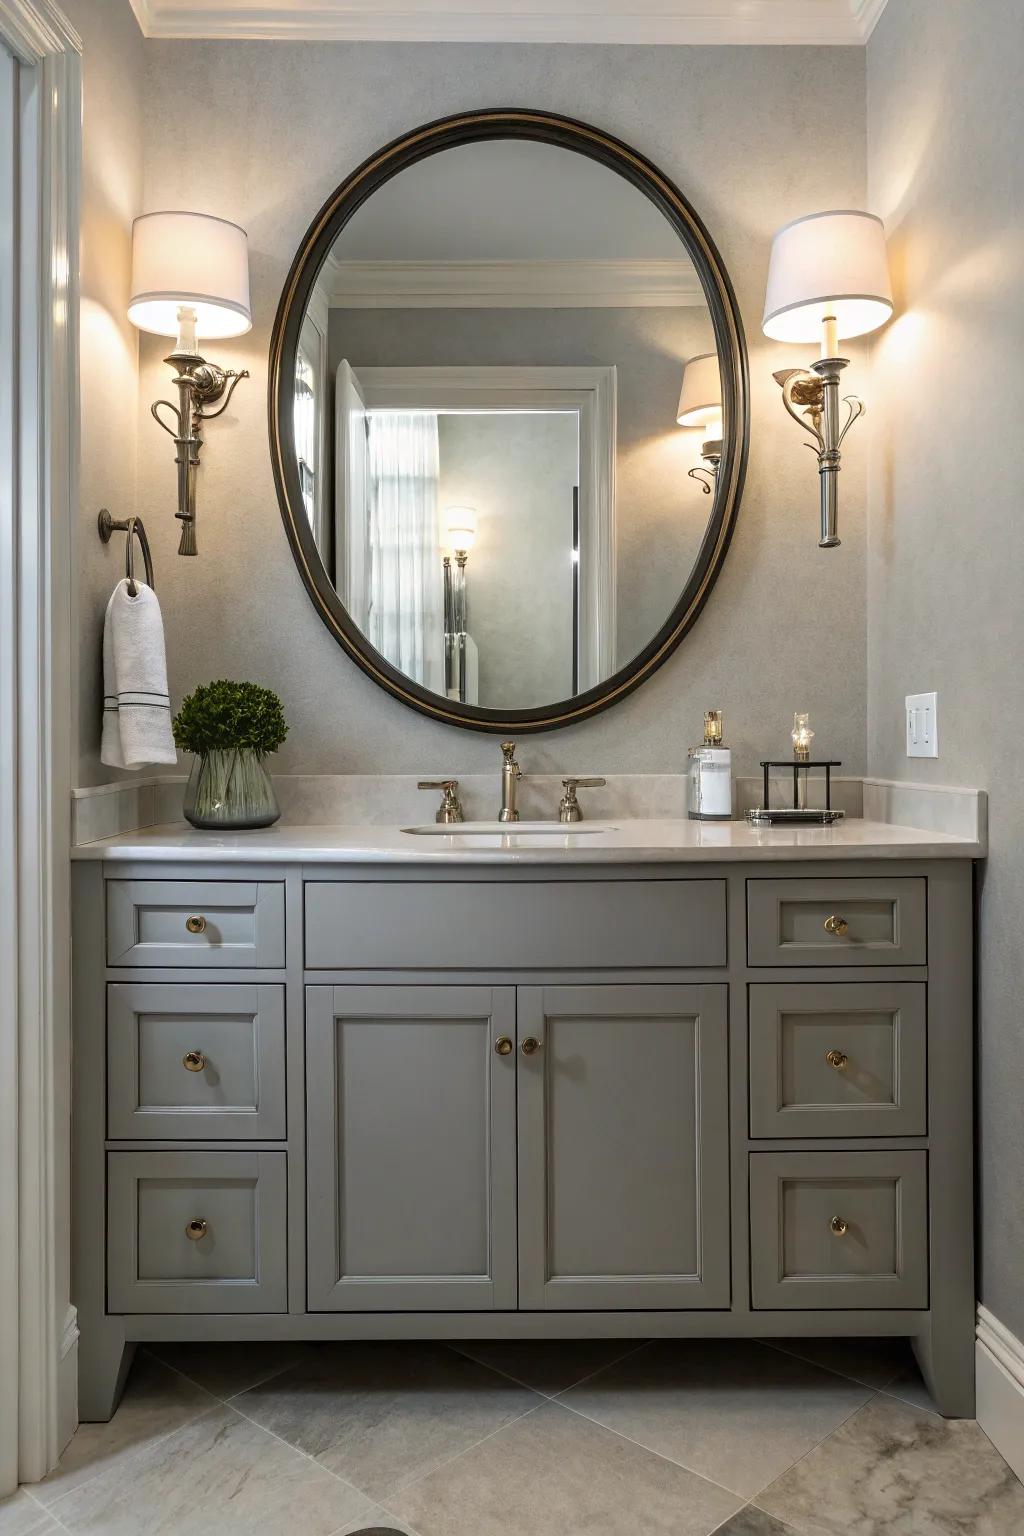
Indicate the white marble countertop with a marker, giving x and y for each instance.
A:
(613, 842)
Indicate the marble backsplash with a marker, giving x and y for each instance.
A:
(390, 799)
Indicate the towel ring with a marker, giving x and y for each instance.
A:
(132, 526)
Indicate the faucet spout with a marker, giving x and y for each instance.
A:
(511, 773)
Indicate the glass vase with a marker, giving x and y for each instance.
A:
(230, 789)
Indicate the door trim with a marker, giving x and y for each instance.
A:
(38, 490)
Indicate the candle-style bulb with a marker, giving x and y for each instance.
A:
(802, 735)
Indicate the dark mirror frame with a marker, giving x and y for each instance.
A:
(544, 128)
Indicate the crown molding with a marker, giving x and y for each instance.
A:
(633, 284)
(785, 22)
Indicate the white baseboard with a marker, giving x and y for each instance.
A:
(999, 1360)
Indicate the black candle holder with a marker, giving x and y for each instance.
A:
(765, 815)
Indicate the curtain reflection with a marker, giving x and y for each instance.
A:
(405, 618)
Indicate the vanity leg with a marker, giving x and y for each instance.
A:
(104, 1360)
(946, 1359)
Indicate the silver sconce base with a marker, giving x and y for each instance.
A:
(816, 390)
(199, 384)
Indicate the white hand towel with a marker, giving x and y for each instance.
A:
(136, 705)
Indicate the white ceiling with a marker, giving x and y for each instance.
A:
(523, 21)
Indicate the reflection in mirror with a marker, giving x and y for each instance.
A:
(486, 391)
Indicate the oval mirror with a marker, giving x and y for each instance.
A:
(508, 414)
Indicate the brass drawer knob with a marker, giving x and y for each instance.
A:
(195, 1229)
(837, 1059)
(193, 1061)
(837, 1226)
(503, 1045)
(530, 1045)
(836, 925)
(196, 923)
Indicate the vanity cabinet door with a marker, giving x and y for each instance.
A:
(411, 1097)
(623, 1147)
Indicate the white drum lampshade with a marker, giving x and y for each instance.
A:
(700, 399)
(459, 528)
(827, 265)
(190, 260)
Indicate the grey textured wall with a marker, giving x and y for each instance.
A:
(784, 627)
(946, 538)
(113, 76)
(661, 515)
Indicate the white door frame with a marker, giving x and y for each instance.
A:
(592, 393)
(38, 490)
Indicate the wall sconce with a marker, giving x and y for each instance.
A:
(459, 533)
(700, 405)
(828, 278)
(190, 276)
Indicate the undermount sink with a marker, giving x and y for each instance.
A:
(509, 829)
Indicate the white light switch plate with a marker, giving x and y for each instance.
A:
(922, 724)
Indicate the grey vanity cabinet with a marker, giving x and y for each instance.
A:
(623, 1147)
(410, 1102)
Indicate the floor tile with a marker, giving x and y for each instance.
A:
(754, 1522)
(556, 1474)
(909, 1386)
(875, 1362)
(156, 1401)
(549, 1366)
(380, 1524)
(20, 1515)
(222, 1474)
(381, 1414)
(892, 1469)
(227, 1369)
(733, 1411)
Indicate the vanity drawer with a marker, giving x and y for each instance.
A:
(156, 1204)
(195, 923)
(838, 1229)
(836, 922)
(838, 1059)
(590, 924)
(195, 1061)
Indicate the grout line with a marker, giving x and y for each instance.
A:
(40, 1505)
(887, 1391)
(131, 1456)
(833, 1370)
(816, 1446)
(305, 1456)
(147, 1350)
(457, 1455)
(659, 1454)
(550, 1397)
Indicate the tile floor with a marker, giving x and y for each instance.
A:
(592, 1438)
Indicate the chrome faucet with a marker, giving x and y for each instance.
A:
(511, 773)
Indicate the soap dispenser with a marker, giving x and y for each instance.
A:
(710, 797)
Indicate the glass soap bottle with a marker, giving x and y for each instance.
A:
(710, 789)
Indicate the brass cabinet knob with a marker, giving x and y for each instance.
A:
(196, 923)
(196, 1229)
(837, 925)
(837, 1226)
(837, 1059)
(503, 1045)
(530, 1045)
(193, 1061)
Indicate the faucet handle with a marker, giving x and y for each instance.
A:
(569, 806)
(450, 808)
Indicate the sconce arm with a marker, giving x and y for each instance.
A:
(174, 431)
(227, 383)
(799, 386)
(705, 478)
